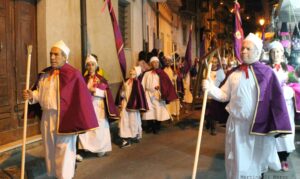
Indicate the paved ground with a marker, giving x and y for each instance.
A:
(168, 155)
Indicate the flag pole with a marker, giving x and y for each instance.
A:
(175, 82)
(201, 123)
(29, 50)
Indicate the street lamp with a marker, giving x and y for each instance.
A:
(262, 23)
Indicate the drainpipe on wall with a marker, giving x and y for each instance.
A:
(144, 25)
(83, 24)
(157, 20)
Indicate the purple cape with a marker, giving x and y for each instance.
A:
(111, 108)
(75, 109)
(137, 99)
(167, 90)
(271, 115)
(296, 88)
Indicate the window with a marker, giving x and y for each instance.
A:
(124, 22)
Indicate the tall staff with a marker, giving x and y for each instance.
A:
(29, 50)
(201, 123)
(175, 82)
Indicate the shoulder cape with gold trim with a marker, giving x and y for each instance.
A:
(270, 115)
(111, 108)
(75, 109)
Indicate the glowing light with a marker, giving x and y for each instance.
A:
(261, 21)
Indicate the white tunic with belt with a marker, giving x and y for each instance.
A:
(130, 123)
(246, 156)
(286, 142)
(97, 140)
(157, 108)
(60, 150)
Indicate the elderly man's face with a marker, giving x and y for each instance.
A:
(277, 55)
(155, 64)
(249, 52)
(56, 58)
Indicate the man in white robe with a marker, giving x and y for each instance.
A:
(247, 154)
(60, 150)
(157, 96)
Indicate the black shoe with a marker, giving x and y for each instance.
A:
(213, 132)
(125, 144)
(207, 125)
(155, 131)
(135, 140)
(148, 131)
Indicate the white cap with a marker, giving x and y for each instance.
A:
(276, 44)
(91, 58)
(138, 70)
(62, 46)
(255, 40)
(154, 59)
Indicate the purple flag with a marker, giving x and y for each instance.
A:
(238, 32)
(118, 38)
(188, 54)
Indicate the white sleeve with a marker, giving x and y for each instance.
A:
(220, 94)
(220, 77)
(99, 93)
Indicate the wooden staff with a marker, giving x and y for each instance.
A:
(175, 82)
(29, 50)
(220, 60)
(201, 124)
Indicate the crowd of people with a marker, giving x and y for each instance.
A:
(260, 99)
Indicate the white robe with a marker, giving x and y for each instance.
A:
(130, 123)
(60, 150)
(97, 140)
(286, 143)
(157, 108)
(246, 156)
(217, 76)
(174, 106)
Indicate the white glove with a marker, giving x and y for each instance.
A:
(206, 85)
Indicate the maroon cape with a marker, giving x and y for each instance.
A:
(137, 99)
(111, 108)
(271, 114)
(75, 109)
(167, 90)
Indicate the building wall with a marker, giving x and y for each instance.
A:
(151, 25)
(58, 20)
(56, 23)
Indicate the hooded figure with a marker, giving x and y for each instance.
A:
(257, 112)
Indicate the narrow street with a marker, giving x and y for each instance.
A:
(168, 155)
